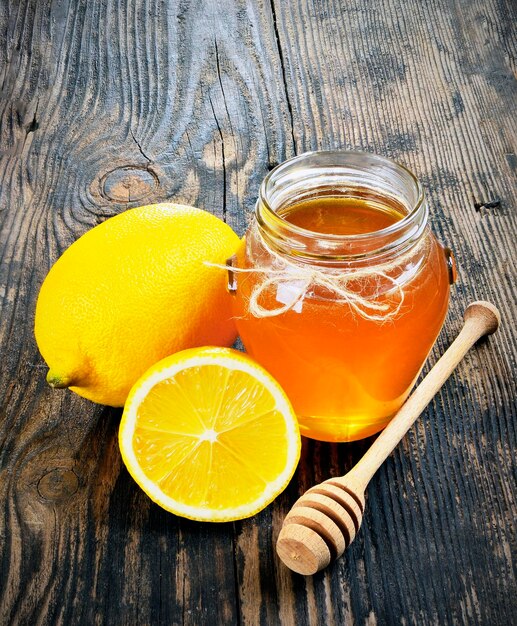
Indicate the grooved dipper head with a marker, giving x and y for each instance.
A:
(319, 527)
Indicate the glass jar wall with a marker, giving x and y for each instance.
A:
(344, 288)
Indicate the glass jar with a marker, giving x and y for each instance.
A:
(340, 288)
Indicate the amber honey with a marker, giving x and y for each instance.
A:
(343, 215)
(345, 374)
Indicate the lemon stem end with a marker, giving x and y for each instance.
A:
(58, 382)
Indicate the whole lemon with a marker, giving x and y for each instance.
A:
(131, 291)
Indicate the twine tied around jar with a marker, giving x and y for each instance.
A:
(305, 278)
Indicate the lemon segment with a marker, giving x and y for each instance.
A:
(208, 434)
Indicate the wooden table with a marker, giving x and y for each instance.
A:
(110, 105)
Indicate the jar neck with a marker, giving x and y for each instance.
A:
(340, 174)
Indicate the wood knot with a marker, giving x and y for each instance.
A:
(58, 485)
(491, 204)
(129, 183)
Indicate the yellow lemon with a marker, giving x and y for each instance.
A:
(208, 434)
(131, 291)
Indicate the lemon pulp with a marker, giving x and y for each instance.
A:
(208, 434)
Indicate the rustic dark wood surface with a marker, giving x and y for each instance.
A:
(106, 105)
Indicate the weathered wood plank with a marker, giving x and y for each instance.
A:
(107, 105)
(434, 86)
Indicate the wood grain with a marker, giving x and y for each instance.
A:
(107, 104)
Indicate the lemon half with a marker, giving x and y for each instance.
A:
(209, 435)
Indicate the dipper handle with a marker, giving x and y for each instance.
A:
(481, 318)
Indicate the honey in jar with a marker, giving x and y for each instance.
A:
(343, 289)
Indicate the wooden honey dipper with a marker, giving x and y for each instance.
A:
(324, 521)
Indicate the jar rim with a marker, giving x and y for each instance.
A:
(399, 225)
